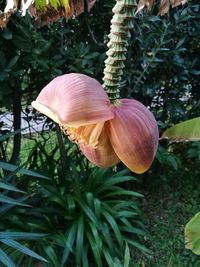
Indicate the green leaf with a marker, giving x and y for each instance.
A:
(109, 183)
(12, 201)
(192, 234)
(12, 62)
(5, 259)
(11, 167)
(6, 34)
(87, 211)
(69, 243)
(23, 249)
(95, 249)
(79, 239)
(107, 238)
(97, 237)
(108, 257)
(20, 235)
(137, 245)
(70, 203)
(114, 226)
(127, 256)
(185, 131)
(117, 191)
(85, 257)
(10, 187)
(97, 207)
(8, 135)
(51, 255)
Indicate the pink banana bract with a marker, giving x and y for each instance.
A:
(105, 133)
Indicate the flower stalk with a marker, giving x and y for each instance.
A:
(121, 24)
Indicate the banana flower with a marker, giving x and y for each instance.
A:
(105, 133)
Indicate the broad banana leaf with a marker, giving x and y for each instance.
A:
(185, 131)
(192, 234)
(45, 11)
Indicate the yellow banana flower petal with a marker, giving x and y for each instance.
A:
(103, 154)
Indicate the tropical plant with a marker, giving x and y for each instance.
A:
(164, 69)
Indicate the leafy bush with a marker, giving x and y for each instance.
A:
(83, 214)
(87, 215)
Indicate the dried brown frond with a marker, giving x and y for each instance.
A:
(175, 3)
(47, 13)
(164, 5)
(145, 3)
(75, 8)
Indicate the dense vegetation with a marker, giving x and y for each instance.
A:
(56, 206)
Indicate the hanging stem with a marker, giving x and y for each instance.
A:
(121, 24)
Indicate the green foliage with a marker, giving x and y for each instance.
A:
(194, 151)
(83, 214)
(192, 234)
(92, 219)
(8, 238)
(163, 67)
(185, 131)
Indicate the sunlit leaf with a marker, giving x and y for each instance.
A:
(185, 131)
(192, 234)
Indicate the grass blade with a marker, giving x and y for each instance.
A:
(20, 235)
(5, 259)
(52, 256)
(79, 239)
(12, 201)
(10, 187)
(95, 249)
(14, 244)
(69, 243)
(127, 256)
(138, 246)
(12, 168)
(115, 227)
(109, 183)
(6, 136)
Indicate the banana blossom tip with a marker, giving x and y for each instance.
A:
(105, 133)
